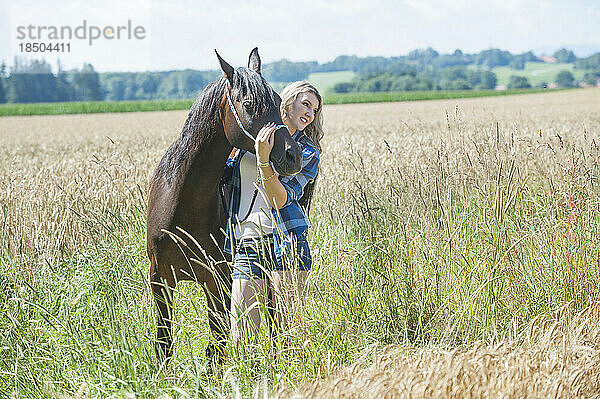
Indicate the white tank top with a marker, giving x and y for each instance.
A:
(258, 222)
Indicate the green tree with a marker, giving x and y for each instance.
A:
(517, 63)
(2, 80)
(518, 82)
(382, 82)
(64, 89)
(493, 58)
(455, 73)
(422, 83)
(404, 83)
(454, 59)
(147, 85)
(565, 79)
(2, 92)
(488, 80)
(519, 60)
(461, 84)
(445, 84)
(31, 82)
(425, 57)
(591, 62)
(193, 83)
(287, 71)
(590, 78)
(343, 87)
(114, 88)
(340, 63)
(564, 55)
(87, 84)
(181, 84)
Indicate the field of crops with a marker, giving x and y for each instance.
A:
(456, 246)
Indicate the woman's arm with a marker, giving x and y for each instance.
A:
(274, 190)
(289, 188)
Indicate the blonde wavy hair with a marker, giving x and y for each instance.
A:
(314, 131)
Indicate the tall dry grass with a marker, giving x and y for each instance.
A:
(557, 357)
(436, 224)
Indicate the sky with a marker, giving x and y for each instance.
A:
(180, 34)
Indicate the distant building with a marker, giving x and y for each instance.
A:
(552, 85)
(500, 87)
(547, 58)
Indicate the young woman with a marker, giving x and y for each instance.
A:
(267, 225)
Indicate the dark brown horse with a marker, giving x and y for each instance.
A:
(185, 211)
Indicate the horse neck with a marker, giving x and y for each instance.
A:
(206, 169)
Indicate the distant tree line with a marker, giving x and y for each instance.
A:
(288, 71)
(34, 82)
(592, 65)
(451, 78)
(422, 69)
(118, 86)
(518, 61)
(431, 59)
(563, 78)
(428, 70)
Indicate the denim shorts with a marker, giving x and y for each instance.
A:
(255, 258)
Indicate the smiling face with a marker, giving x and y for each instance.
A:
(301, 112)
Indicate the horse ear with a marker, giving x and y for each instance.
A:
(254, 60)
(227, 69)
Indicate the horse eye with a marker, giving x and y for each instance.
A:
(247, 104)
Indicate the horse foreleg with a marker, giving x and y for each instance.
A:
(218, 299)
(163, 298)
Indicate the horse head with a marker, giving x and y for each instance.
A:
(253, 103)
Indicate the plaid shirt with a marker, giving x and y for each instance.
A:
(288, 222)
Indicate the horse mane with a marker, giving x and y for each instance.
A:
(201, 124)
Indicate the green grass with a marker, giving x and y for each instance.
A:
(324, 81)
(93, 107)
(169, 105)
(423, 233)
(536, 72)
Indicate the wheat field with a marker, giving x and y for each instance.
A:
(456, 247)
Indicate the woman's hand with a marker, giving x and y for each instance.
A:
(264, 142)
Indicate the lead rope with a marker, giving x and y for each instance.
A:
(250, 207)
